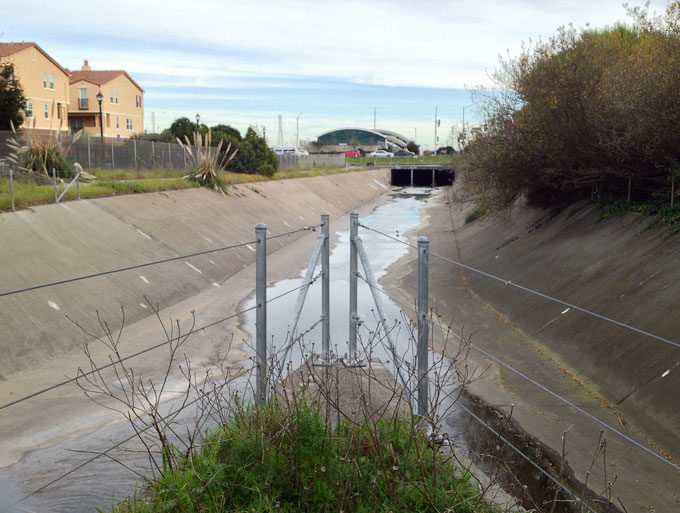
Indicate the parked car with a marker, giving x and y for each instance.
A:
(381, 153)
(353, 153)
(403, 153)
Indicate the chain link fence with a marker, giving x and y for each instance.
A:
(135, 154)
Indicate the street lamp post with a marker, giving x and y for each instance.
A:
(198, 121)
(100, 98)
(297, 131)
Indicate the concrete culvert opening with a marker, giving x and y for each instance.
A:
(421, 176)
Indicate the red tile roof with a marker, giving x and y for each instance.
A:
(99, 77)
(7, 49)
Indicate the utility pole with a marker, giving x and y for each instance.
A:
(435, 128)
(373, 118)
(297, 131)
(280, 138)
(415, 134)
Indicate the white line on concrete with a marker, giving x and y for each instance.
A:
(142, 305)
(215, 284)
(144, 279)
(213, 263)
(250, 248)
(54, 305)
(206, 238)
(194, 268)
(144, 234)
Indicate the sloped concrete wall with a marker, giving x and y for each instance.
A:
(56, 242)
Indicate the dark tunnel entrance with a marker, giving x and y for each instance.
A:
(422, 176)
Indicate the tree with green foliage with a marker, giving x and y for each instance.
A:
(584, 108)
(183, 127)
(12, 99)
(254, 156)
(413, 147)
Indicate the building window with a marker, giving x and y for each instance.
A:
(29, 109)
(116, 96)
(128, 123)
(47, 111)
(76, 124)
(111, 96)
(44, 80)
(51, 81)
(117, 122)
(138, 100)
(82, 101)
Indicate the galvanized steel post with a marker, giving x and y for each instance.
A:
(89, 163)
(353, 269)
(11, 188)
(169, 157)
(423, 328)
(261, 313)
(325, 287)
(134, 150)
(112, 158)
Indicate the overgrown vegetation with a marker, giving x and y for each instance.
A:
(477, 212)
(207, 164)
(281, 459)
(585, 108)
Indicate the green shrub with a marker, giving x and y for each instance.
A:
(266, 170)
(477, 212)
(276, 459)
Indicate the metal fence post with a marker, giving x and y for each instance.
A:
(112, 159)
(169, 157)
(89, 163)
(78, 186)
(672, 190)
(353, 263)
(325, 287)
(184, 151)
(153, 155)
(629, 183)
(54, 183)
(11, 188)
(423, 328)
(134, 151)
(261, 313)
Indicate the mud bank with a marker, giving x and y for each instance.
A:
(610, 266)
(57, 242)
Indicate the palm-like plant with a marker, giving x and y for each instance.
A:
(207, 162)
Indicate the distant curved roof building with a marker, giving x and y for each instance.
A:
(363, 137)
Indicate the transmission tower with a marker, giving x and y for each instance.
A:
(280, 138)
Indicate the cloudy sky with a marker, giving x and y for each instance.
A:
(247, 62)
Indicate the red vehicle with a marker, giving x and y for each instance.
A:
(353, 153)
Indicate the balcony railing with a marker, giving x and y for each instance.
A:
(82, 103)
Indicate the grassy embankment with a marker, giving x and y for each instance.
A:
(117, 182)
(389, 161)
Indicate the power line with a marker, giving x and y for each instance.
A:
(531, 291)
(542, 387)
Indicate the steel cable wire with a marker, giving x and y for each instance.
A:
(147, 264)
(539, 385)
(531, 291)
(122, 359)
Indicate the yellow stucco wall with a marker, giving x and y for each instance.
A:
(121, 117)
(52, 97)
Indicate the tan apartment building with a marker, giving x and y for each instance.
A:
(45, 84)
(122, 107)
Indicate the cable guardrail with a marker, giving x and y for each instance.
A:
(531, 291)
(143, 351)
(535, 383)
(148, 264)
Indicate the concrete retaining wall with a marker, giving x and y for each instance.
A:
(56, 242)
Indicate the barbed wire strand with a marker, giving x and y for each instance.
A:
(134, 355)
(531, 291)
(539, 385)
(147, 264)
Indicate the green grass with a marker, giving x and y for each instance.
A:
(275, 459)
(120, 181)
(477, 212)
(27, 193)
